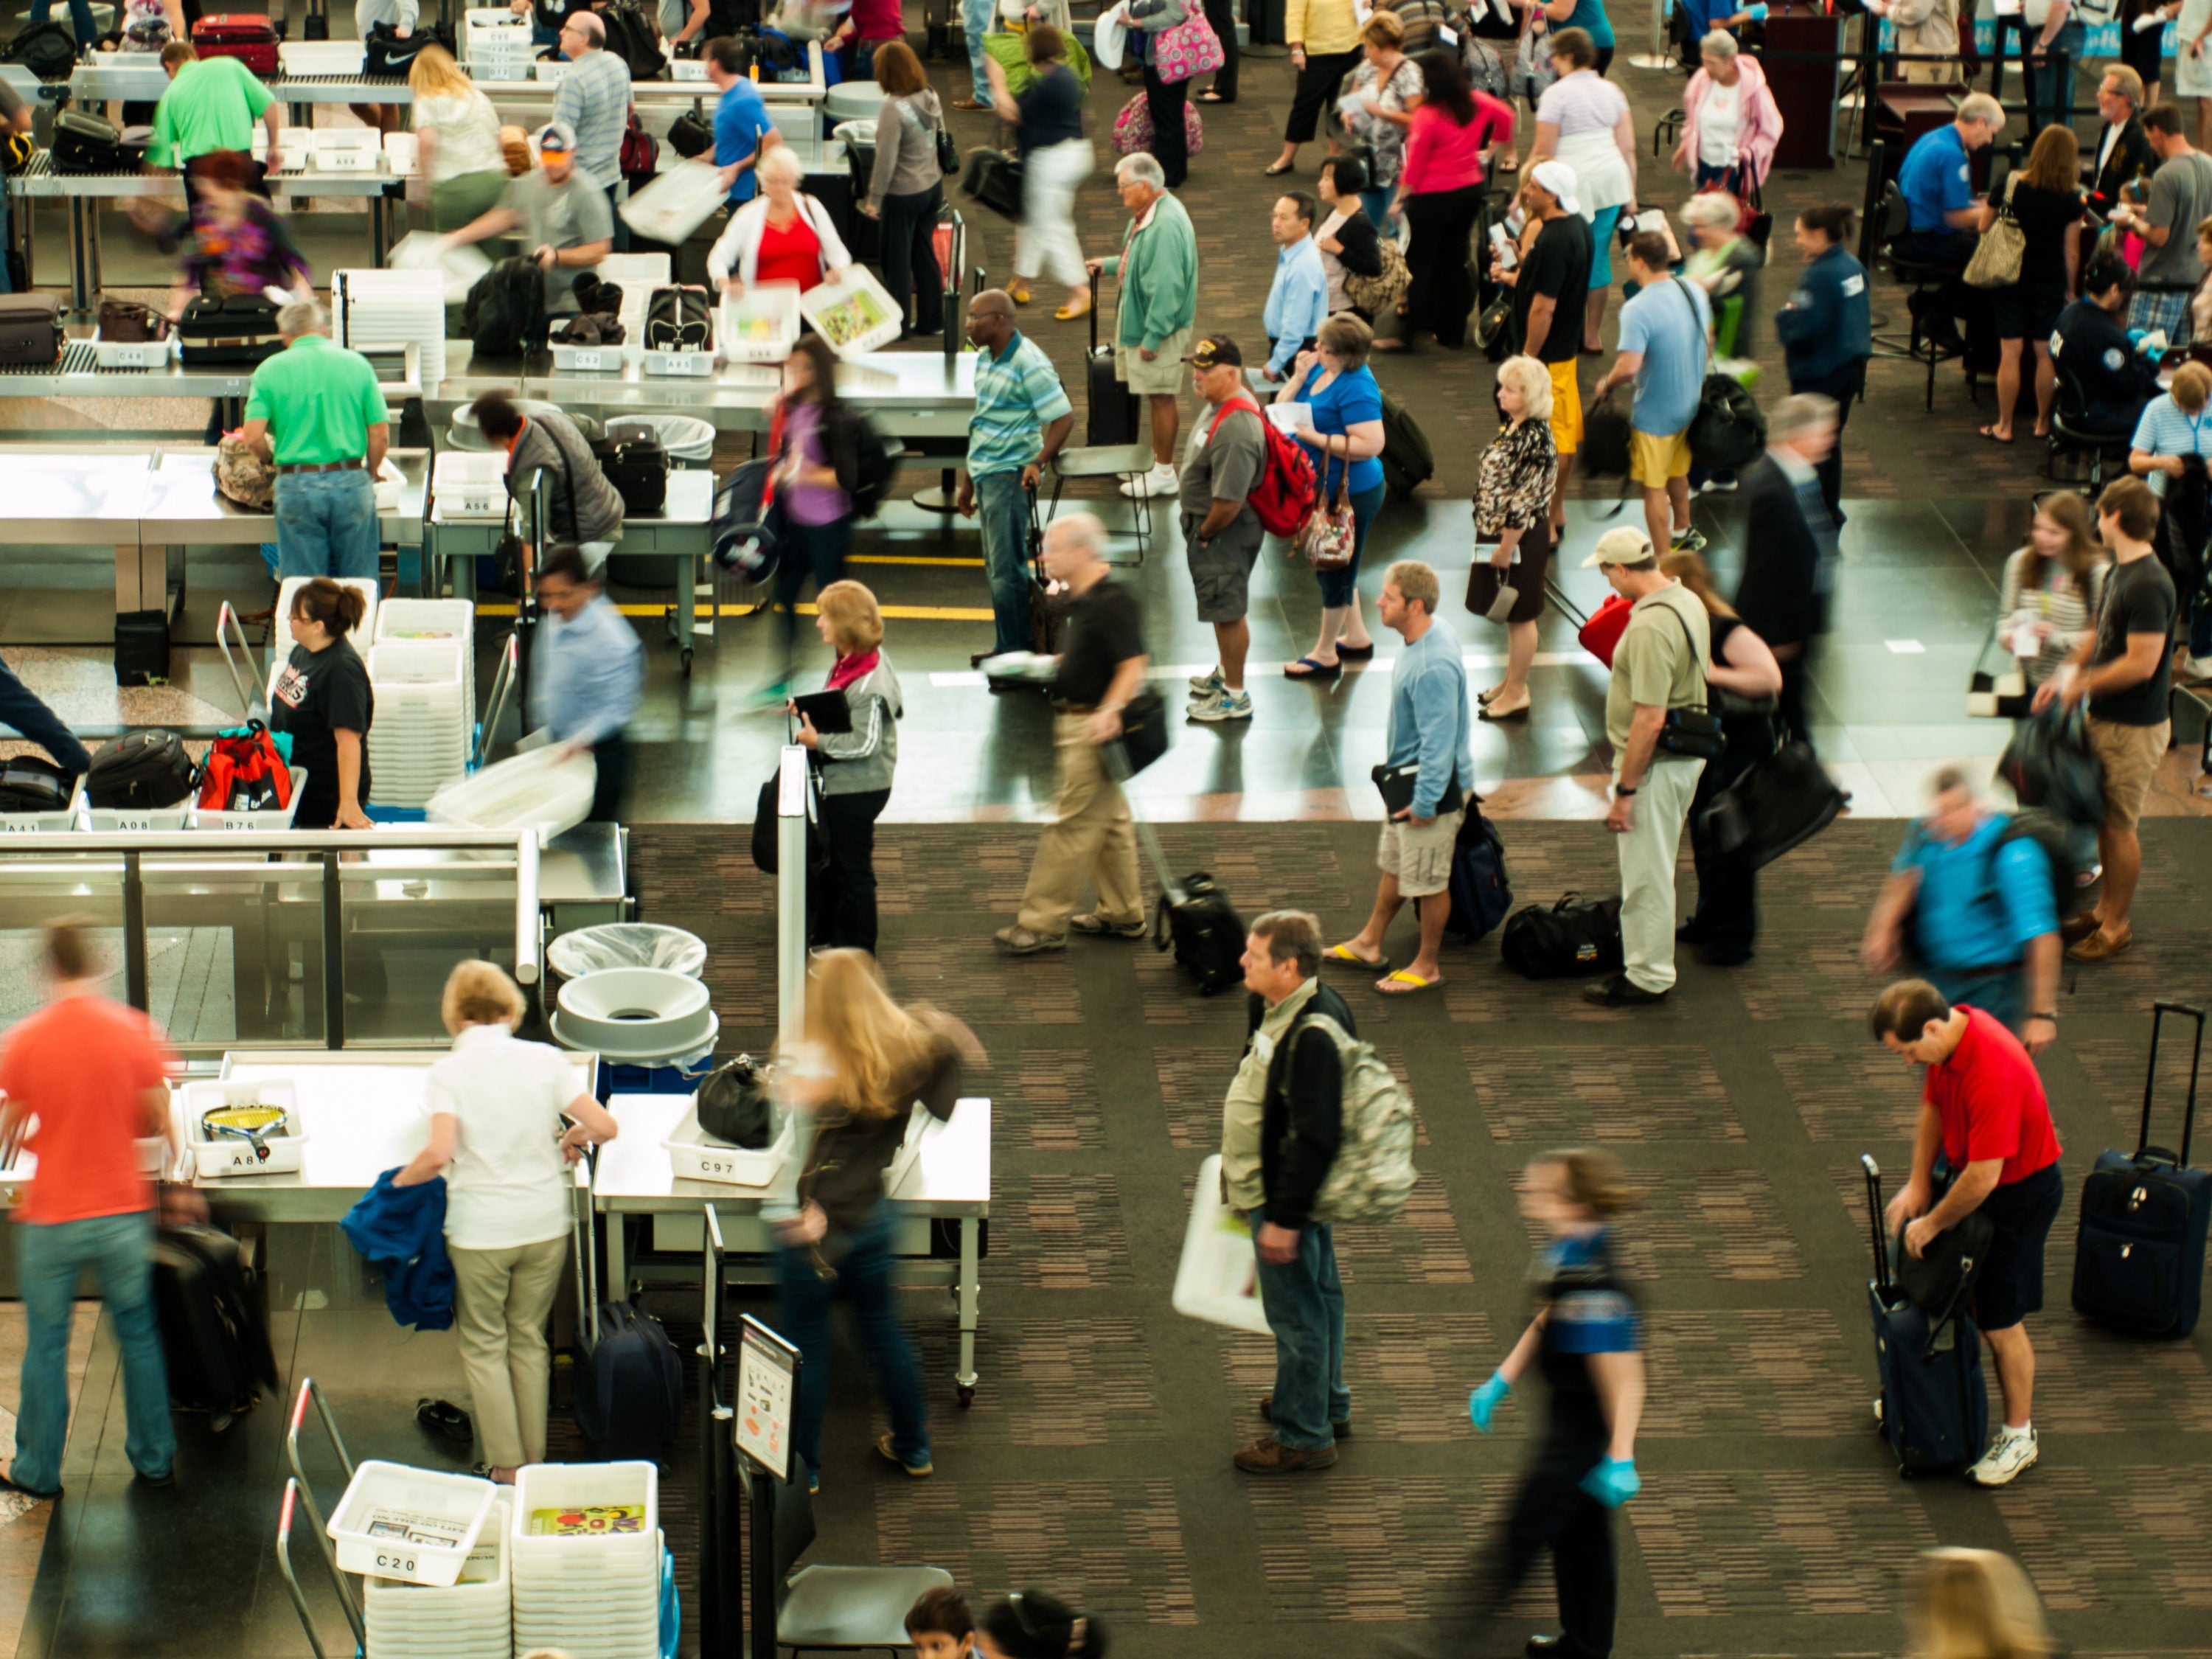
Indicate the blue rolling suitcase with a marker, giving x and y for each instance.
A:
(1934, 1406)
(2140, 1264)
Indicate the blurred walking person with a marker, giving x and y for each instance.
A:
(586, 675)
(1056, 158)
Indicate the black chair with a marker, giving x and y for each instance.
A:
(2073, 435)
(837, 1609)
(1925, 279)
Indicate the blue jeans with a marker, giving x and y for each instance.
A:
(120, 1250)
(1339, 588)
(1003, 509)
(2000, 995)
(81, 23)
(975, 20)
(326, 525)
(1304, 1303)
(2051, 86)
(863, 1274)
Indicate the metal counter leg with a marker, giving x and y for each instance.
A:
(617, 1285)
(687, 606)
(82, 281)
(964, 1380)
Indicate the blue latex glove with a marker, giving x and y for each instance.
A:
(1483, 1400)
(1757, 12)
(2137, 336)
(1613, 1482)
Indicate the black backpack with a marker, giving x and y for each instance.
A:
(690, 134)
(679, 320)
(505, 312)
(1574, 936)
(875, 463)
(630, 37)
(638, 469)
(141, 769)
(47, 50)
(1481, 894)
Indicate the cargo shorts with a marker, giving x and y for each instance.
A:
(1420, 859)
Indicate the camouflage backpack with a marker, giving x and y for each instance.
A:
(1373, 1175)
(242, 477)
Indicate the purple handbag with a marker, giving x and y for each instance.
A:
(1191, 47)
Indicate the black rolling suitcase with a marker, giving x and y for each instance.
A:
(1116, 411)
(233, 331)
(2140, 1264)
(215, 1333)
(1194, 917)
(86, 144)
(1935, 1404)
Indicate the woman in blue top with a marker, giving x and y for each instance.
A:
(1345, 439)
(1587, 16)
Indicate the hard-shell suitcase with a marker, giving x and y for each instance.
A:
(30, 328)
(141, 770)
(1116, 411)
(215, 1333)
(251, 40)
(237, 330)
(629, 1390)
(2140, 1265)
(1935, 1404)
(1194, 917)
(86, 143)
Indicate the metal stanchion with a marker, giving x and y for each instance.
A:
(1655, 58)
(793, 807)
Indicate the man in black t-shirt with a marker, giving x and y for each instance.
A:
(1102, 667)
(1549, 288)
(2121, 667)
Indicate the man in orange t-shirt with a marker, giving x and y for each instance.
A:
(93, 1073)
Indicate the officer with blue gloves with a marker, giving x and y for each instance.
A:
(1584, 1339)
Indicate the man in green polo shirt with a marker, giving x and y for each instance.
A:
(212, 103)
(315, 409)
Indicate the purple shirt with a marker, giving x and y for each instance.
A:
(807, 504)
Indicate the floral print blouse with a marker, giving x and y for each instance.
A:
(260, 254)
(1385, 140)
(1513, 491)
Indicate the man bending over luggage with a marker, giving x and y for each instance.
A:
(1985, 1110)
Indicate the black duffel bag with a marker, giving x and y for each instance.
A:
(638, 469)
(141, 770)
(1574, 936)
(2049, 763)
(734, 1105)
(385, 53)
(1780, 802)
(1728, 431)
(994, 179)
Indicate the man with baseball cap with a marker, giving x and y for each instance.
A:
(1221, 533)
(1659, 665)
(562, 218)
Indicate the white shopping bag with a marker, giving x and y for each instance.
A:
(675, 205)
(1218, 1278)
(419, 250)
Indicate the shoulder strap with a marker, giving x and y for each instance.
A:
(1242, 401)
(1691, 639)
(1703, 347)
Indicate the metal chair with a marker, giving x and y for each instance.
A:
(1924, 278)
(1107, 461)
(2073, 435)
(839, 1609)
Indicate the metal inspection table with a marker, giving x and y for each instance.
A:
(950, 1179)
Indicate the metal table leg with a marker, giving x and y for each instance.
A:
(617, 1286)
(964, 1380)
(84, 282)
(687, 606)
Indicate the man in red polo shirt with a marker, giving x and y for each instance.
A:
(1984, 1108)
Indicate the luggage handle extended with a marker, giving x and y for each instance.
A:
(1874, 1221)
(1117, 766)
(226, 619)
(2158, 1011)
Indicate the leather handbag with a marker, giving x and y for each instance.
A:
(1191, 47)
(1329, 538)
(1374, 294)
(126, 321)
(1144, 733)
(1998, 255)
(1693, 732)
(1780, 802)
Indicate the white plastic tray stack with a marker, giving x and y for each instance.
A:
(321, 57)
(425, 717)
(426, 619)
(473, 1618)
(592, 1597)
(469, 484)
(495, 44)
(393, 308)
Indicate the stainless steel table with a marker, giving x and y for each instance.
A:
(952, 1178)
(909, 394)
(583, 877)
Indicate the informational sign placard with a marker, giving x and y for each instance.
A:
(768, 1386)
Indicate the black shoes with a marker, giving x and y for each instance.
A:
(1620, 992)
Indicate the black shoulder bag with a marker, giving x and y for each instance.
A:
(1694, 732)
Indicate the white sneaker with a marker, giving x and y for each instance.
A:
(1206, 684)
(2197, 668)
(2007, 1456)
(1160, 481)
(1222, 705)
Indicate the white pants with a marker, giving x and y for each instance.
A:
(1647, 871)
(1046, 244)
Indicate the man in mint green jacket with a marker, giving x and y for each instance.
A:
(1158, 269)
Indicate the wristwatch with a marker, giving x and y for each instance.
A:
(1623, 789)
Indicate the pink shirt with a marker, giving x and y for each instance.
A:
(1441, 155)
(878, 20)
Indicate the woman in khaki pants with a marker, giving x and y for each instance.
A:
(505, 1121)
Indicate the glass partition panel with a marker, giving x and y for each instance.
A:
(234, 949)
(39, 891)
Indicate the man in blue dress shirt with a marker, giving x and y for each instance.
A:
(1297, 304)
(587, 673)
(1943, 218)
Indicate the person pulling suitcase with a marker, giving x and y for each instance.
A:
(1983, 1107)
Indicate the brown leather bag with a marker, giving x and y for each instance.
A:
(130, 323)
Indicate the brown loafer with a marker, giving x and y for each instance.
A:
(1268, 1456)
(2101, 947)
(2075, 929)
(1267, 1415)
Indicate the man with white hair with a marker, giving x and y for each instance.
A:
(1789, 544)
(315, 410)
(1159, 310)
(563, 219)
(1943, 217)
(594, 99)
(1549, 286)
(1102, 667)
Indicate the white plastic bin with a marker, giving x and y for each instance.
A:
(30, 823)
(470, 483)
(541, 1489)
(853, 314)
(144, 820)
(695, 1157)
(416, 620)
(396, 1522)
(674, 204)
(298, 57)
(762, 326)
(226, 1155)
(1218, 1279)
(539, 790)
(473, 1616)
(133, 353)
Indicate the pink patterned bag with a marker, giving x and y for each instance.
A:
(1133, 128)
(1191, 47)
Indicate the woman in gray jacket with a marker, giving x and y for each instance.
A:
(906, 190)
(580, 505)
(855, 766)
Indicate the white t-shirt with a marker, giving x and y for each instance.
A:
(468, 134)
(1718, 119)
(507, 1184)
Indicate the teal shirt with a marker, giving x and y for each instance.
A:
(319, 400)
(1158, 269)
(1017, 395)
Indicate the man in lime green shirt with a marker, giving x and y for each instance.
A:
(316, 410)
(212, 103)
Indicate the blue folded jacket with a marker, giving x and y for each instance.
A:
(401, 1232)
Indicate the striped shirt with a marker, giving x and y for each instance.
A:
(1582, 102)
(2165, 430)
(1017, 395)
(594, 99)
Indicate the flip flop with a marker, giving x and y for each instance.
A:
(1305, 668)
(1403, 984)
(1356, 653)
(1991, 432)
(1345, 953)
(1510, 164)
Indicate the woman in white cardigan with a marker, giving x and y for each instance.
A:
(781, 235)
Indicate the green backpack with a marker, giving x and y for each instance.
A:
(1373, 1175)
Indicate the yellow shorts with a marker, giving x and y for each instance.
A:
(1566, 408)
(1654, 457)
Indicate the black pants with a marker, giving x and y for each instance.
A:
(1726, 920)
(1170, 144)
(1843, 385)
(1789, 708)
(1316, 88)
(910, 250)
(842, 899)
(1604, 59)
(611, 792)
(1442, 290)
(809, 549)
(1554, 1513)
(1222, 14)
(622, 225)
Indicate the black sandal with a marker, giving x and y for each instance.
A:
(446, 1420)
(9, 1484)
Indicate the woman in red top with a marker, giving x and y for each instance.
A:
(1440, 193)
(781, 235)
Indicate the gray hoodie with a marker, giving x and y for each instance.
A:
(581, 505)
(854, 762)
(906, 146)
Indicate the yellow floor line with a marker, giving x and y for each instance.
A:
(895, 612)
(904, 558)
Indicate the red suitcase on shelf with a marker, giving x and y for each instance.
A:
(251, 40)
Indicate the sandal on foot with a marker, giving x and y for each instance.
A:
(1345, 953)
(968, 103)
(1068, 313)
(1307, 668)
(1405, 984)
(1277, 169)
(1355, 652)
(1209, 96)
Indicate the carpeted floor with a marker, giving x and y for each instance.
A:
(1094, 1459)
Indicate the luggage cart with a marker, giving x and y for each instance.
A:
(297, 1486)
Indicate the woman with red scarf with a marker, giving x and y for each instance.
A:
(855, 766)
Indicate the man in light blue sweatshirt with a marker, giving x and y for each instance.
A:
(1429, 758)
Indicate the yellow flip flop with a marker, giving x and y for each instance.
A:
(1345, 953)
(1405, 984)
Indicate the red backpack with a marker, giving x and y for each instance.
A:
(1284, 494)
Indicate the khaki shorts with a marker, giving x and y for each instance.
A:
(1654, 457)
(1166, 376)
(2130, 755)
(1221, 570)
(1566, 408)
(1420, 859)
